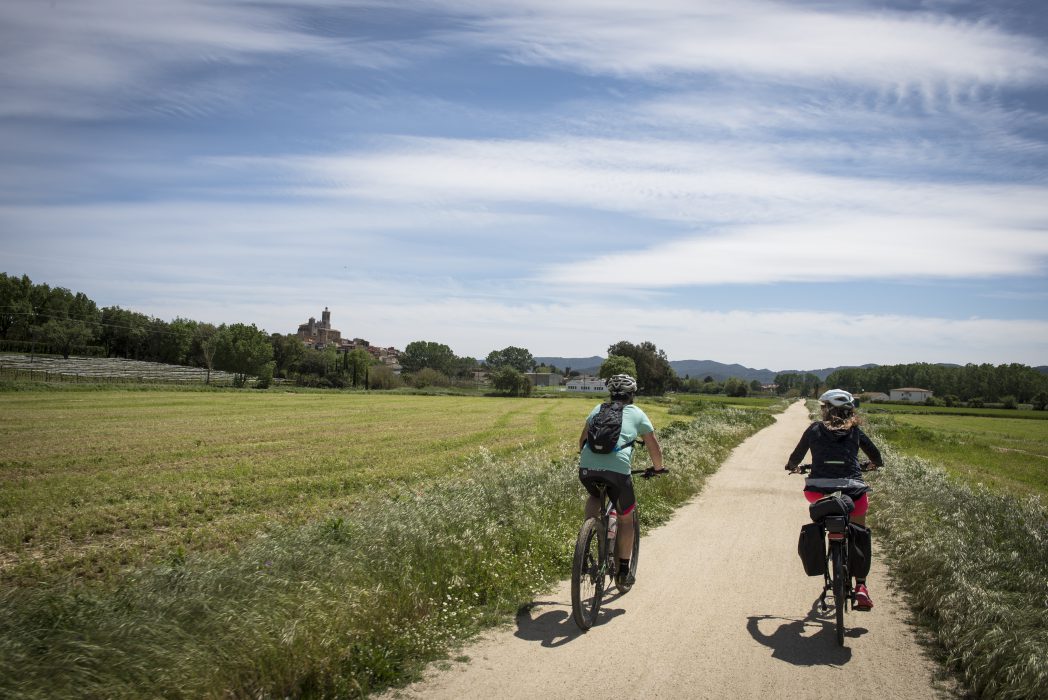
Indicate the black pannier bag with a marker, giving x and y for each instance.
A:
(833, 504)
(860, 550)
(812, 549)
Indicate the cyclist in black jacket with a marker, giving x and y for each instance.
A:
(835, 442)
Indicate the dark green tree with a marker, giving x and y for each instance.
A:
(654, 373)
(357, 363)
(423, 353)
(65, 335)
(288, 351)
(508, 380)
(243, 350)
(518, 358)
(617, 364)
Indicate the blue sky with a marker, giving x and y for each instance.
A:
(779, 184)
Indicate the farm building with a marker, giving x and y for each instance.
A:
(544, 378)
(588, 384)
(911, 394)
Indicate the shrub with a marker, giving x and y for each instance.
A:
(975, 565)
(427, 376)
(508, 380)
(1009, 402)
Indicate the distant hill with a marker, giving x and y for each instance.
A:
(698, 369)
(585, 365)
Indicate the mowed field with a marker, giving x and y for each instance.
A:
(92, 482)
(1003, 452)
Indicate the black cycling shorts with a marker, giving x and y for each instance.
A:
(619, 486)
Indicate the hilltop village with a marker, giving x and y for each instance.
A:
(321, 335)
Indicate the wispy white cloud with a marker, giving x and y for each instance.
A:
(900, 52)
(855, 248)
(90, 60)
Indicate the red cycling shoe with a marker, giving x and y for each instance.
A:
(862, 598)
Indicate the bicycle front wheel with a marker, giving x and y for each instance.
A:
(839, 594)
(588, 573)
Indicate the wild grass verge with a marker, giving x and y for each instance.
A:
(338, 608)
(974, 563)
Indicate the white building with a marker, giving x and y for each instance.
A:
(911, 394)
(586, 384)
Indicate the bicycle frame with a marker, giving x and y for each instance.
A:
(837, 577)
(592, 571)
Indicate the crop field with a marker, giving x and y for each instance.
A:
(1005, 453)
(173, 543)
(1017, 414)
(690, 403)
(93, 482)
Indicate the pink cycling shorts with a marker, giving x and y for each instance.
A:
(862, 504)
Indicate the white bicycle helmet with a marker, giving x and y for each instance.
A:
(837, 398)
(621, 384)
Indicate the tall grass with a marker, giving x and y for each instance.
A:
(341, 607)
(974, 563)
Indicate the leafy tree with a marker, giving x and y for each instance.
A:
(463, 367)
(755, 386)
(288, 351)
(517, 358)
(205, 346)
(243, 350)
(357, 363)
(1040, 400)
(735, 387)
(654, 373)
(315, 363)
(64, 335)
(508, 380)
(617, 364)
(176, 344)
(797, 384)
(420, 354)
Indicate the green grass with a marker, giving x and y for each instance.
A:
(93, 482)
(1008, 454)
(690, 404)
(188, 544)
(1018, 414)
(974, 564)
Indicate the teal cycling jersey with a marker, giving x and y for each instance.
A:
(635, 424)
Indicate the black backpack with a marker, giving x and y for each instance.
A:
(602, 436)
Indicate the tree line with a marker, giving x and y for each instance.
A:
(40, 318)
(970, 383)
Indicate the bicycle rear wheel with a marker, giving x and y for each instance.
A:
(839, 594)
(588, 573)
(634, 556)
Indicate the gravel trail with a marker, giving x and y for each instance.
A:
(722, 609)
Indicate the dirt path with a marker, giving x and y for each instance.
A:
(722, 609)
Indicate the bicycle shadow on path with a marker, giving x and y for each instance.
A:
(555, 628)
(794, 643)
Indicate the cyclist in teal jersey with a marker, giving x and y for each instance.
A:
(613, 469)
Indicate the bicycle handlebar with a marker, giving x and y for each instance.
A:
(866, 466)
(650, 472)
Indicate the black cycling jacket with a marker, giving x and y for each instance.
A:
(834, 453)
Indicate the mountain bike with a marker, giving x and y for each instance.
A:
(837, 577)
(595, 565)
